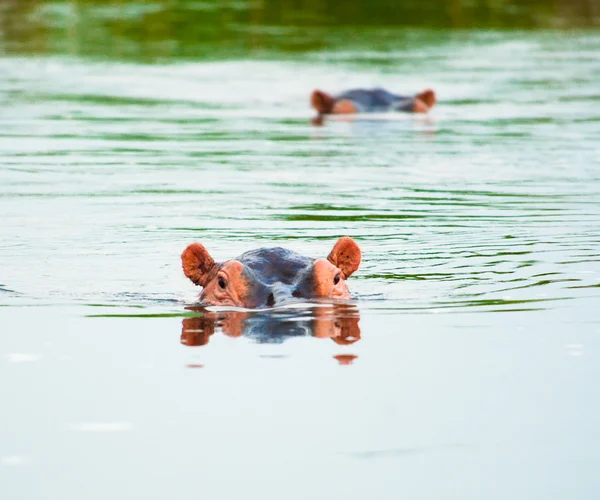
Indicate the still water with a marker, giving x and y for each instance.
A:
(467, 366)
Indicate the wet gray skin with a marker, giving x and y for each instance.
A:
(377, 100)
(277, 276)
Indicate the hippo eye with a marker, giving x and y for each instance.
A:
(222, 282)
(336, 280)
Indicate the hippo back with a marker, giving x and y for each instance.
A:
(375, 100)
(276, 264)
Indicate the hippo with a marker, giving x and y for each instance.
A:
(376, 100)
(267, 277)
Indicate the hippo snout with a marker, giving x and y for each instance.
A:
(281, 294)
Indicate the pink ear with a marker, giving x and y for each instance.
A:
(321, 101)
(345, 255)
(197, 263)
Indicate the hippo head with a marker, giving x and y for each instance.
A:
(269, 276)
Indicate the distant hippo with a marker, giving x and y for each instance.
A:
(369, 101)
(269, 276)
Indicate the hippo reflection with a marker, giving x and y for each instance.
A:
(336, 321)
(271, 276)
(369, 101)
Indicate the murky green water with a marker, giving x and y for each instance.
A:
(465, 369)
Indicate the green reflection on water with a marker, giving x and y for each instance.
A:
(151, 30)
(148, 315)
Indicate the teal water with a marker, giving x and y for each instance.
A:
(464, 369)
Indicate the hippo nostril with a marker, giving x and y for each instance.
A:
(271, 300)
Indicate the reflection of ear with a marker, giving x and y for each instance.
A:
(196, 331)
(197, 263)
(345, 255)
(345, 359)
(318, 120)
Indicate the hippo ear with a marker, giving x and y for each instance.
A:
(197, 263)
(345, 255)
(322, 101)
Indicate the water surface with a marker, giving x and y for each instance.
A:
(464, 369)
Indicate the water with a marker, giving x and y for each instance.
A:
(464, 369)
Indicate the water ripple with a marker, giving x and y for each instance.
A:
(490, 204)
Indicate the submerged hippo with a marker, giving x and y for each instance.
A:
(269, 276)
(369, 101)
